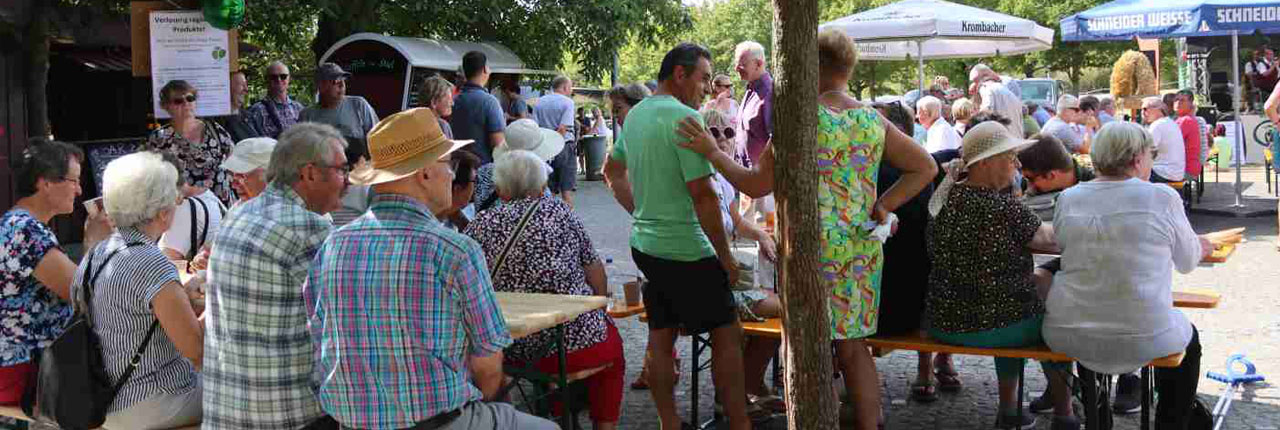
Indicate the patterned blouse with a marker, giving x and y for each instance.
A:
(981, 277)
(550, 257)
(202, 160)
(31, 315)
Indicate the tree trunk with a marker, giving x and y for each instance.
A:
(804, 298)
(36, 48)
(341, 19)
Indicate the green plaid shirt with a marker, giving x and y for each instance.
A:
(258, 358)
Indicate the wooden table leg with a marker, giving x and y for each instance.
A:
(566, 409)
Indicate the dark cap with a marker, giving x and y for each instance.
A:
(330, 72)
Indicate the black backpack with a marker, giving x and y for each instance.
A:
(71, 387)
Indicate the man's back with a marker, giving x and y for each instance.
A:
(554, 110)
(397, 303)
(665, 224)
(476, 115)
(1189, 128)
(1070, 136)
(996, 97)
(258, 355)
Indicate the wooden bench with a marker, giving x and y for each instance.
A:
(16, 412)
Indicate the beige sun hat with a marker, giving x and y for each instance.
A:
(526, 135)
(402, 144)
(987, 140)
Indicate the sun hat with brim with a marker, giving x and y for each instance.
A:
(250, 154)
(402, 144)
(987, 140)
(525, 134)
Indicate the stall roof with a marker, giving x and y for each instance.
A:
(444, 55)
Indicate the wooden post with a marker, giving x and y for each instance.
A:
(804, 297)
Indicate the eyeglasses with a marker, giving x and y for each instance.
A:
(341, 168)
(724, 85)
(178, 101)
(278, 77)
(71, 180)
(726, 131)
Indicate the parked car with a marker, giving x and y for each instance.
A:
(1044, 92)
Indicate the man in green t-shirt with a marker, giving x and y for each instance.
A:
(677, 238)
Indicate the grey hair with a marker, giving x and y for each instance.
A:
(632, 93)
(267, 70)
(302, 144)
(930, 104)
(751, 46)
(714, 117)
(1106, 103)
(977, 70)
(137, 187)
(520, 173)
(1117, 144)
(559, 81)
(433, 88)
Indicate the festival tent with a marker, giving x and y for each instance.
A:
(937, 29)
(1150, 19)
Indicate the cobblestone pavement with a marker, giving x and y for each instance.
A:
(1245, 322)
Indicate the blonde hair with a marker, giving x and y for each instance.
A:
(714, 117)
(1116, 146)
(963, 109)
(433, 88)
(836, 52)
(755, 48)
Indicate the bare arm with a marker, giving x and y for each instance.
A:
(755, 182)
(55, 271)
(707, 207)
(597, 278)
(560, 129)
(615, 174)
(917, 166)
(172, 308)
(1272, 105)
(1044, 240)
(497, 139)
(486, 372)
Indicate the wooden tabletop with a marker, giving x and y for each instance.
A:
(1196, 298)
(627, 311)
(528, 313)
(1221, 253)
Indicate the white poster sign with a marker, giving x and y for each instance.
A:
(184, 46)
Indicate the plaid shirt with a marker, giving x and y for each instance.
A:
(397, 303)
(260, 119)
(258, 355)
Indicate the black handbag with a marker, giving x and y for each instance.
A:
(71, 387)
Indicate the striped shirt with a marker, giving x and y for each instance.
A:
(122, 315)
(397, 303)
(257, 352)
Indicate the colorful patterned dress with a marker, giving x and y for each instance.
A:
(850, 144)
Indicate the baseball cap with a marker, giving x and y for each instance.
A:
(249, 155)
(331, 72)
(1068, 101)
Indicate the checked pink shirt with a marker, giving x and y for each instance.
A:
(397, 303)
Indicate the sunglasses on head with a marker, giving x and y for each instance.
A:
(189, 98)
(726, 131)
(278, 77)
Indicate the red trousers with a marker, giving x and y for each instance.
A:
(13, 381)
(605, 387)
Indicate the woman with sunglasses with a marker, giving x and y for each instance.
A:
(200, 144)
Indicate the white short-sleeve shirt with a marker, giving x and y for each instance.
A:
(1171, 156)
(208, 216)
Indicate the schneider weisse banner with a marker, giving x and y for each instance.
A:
(1125, 19)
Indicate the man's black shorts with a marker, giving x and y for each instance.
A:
(692, 295)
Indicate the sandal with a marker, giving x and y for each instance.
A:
(948, 381)
(924, 392)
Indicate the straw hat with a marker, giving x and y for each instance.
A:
(525, 134)
(989, 139)
(402, 144)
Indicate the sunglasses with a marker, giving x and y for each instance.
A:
(178, 101)
(727, 132)
(278, 77)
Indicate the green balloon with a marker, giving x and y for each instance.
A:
(224, 14)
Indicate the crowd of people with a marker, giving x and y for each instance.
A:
(320, 268)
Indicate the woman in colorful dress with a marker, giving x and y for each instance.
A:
(201, 145)
(852, 140)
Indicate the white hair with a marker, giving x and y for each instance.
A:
(302, 144)
(520, 173)
(978, 70)
(1117, 144)
(755, 48)
(137, 187)
(930, 104)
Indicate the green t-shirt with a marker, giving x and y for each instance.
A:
(665, 225)
(1030, 126)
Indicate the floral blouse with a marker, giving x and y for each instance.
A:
(31, 316)
(550, 257)
(202, 161)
